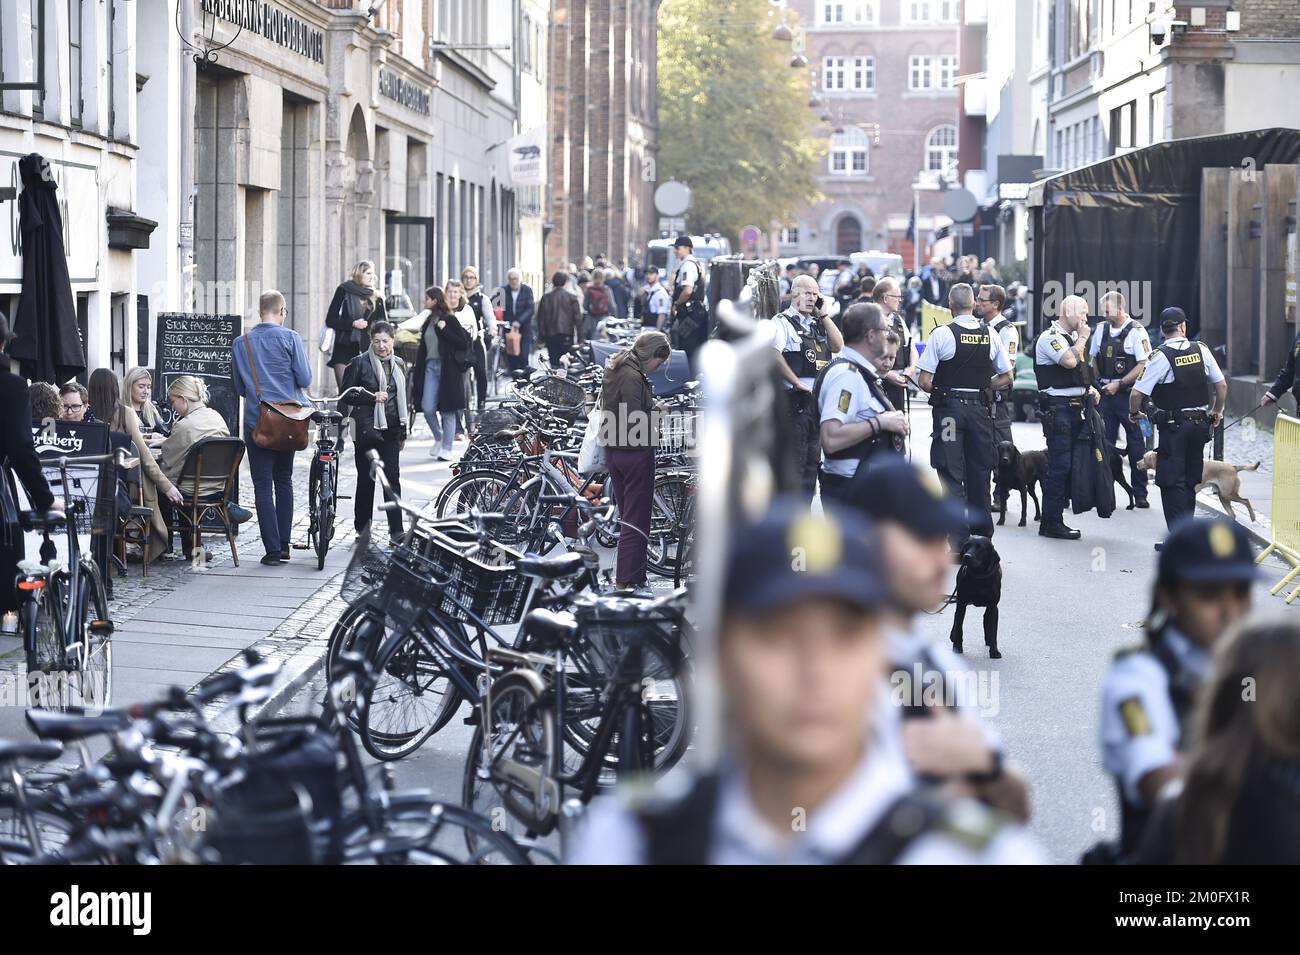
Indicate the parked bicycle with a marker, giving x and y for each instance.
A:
(323, 475)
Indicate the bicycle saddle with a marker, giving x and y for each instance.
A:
(326, 415)
(66, 727)
(550, 629)
(550, 568)
(41, 520)
(37, 752)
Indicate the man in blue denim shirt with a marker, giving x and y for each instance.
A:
(282, 373)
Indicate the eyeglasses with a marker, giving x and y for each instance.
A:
(68, 407)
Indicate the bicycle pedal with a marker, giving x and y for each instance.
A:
(472, 719)
(101, 628)
(299, 546)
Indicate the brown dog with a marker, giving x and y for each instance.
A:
(1220, 475)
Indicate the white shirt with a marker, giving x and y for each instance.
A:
(687, 274)
(1010, 336)
(658, 302)
(785, 335)
(942, 346)
(1135, 343)
(1159, 372)
(845, 397)
(1139, 728)
(1050, 349)
(469, 321)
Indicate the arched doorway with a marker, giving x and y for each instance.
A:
(848, 235)
(359, 191)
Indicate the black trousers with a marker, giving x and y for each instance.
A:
(807, 439)
(1179, 466)
(478, 360)
(962, 451)
(1114, 414)
(363, 501)
(834, 487)
(557, 346)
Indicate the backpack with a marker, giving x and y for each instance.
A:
(597, 301)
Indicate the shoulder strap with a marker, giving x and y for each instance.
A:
(252, 367)
(678, 833)
(912, 815)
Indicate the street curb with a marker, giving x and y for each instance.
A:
(300, 668)
(1214, 509)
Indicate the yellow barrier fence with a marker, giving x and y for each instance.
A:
(1286, 501)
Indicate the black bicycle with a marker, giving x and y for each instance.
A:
(323, 477)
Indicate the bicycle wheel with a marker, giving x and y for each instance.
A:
(41, 623)
(53, 827)
(525, 526)
(481, 489)
(91, 683)
(408, 701)
(417, 830)
(668, 514)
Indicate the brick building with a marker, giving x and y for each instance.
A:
(602, 129)
(882, 87)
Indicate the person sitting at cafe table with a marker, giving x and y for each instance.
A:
(75, 400)
(193, 422)
(137, 391)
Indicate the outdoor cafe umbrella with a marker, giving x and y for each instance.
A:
(46, 342)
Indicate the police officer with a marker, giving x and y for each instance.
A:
(889, 297)
(858, 421)
(1202, 588)
(961, 366)
(690, 318)
(989, 302)
(1061, 367)
(652, 304)
(1286, 378)
(1179, 377)
(803, 783)
(806, 339)
(1119, 348)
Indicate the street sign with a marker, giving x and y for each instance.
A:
(672, 198)
(959, 205)
(750, 235)
(672, 225)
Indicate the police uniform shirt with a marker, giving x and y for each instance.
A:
(846, 398)
(658, 301)
(687, 274)
(1135, 343)
(612, 835)
(1139, 727)
(785, 335)
(909, 649)
(1010, 336)
(1159, 372)
(1050, 349)
(942, 346)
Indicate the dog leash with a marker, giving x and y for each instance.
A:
(1245, 416)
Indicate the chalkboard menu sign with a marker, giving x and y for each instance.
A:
(198, 345)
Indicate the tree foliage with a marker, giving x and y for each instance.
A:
(734, 124)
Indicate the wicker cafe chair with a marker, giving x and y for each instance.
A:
(133, 525)
(211, 458)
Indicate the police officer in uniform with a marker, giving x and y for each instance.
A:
(1119, 350)
(857, 418)
(1202, 588)
(1061, 367)
(690, 317)
(989, 302)
(792, 788)
(1286, 378)
(807, 340)
(889, 297)
(961, 366)
(1178, 378)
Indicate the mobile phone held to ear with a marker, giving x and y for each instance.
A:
(821, 303)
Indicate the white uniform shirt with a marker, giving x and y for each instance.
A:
(911, 675)
(1135, 343)
(845, 397)
(687, 274)
(1010, 336)
(1159, 372)
(1050, 349)
(1139, 728)
(942, 346)
(657, 300)
(785, 335)
(611, 834)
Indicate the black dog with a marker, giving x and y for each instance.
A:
(1117, 472)
(1019, 471)
(979, 584)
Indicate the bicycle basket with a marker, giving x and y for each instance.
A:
(611, 626)
(495, 419)
(485, 584)
(559, 392)
(366, 570)
(412, 585)
(677, 431)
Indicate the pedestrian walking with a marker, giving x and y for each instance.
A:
(355, 305)
(517, 301)
(485, 321)
(270, 365)
(558, 318)
(374, 397)
(599, 305)
(458, 302)
(440, 365)
(1119, 349)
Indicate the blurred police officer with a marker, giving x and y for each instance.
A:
(814, 770)
(989, 302)
(1061, 367)
(889, 297)
(857, 419)
(690, 316)
(1286, 378)
(1119, 350)
(807, 339)
(945, 735)
(962, 364)
(1188, 392)
(1202, 588)
(652, 304)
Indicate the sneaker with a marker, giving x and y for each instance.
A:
(284, 555)
(435, 452)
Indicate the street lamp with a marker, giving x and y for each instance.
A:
(782, 33)
(798, 61)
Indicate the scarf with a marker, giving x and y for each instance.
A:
(399, 387)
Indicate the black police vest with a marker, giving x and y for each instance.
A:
(884, 440)
(970, 366)
(1190, 387)
(1054, 376)
(814, 349)
(697, 293)
(1113, 362)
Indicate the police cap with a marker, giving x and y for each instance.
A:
(1171, 318)
(891, 489)
(792, 554)
(683, 241)
(1203, 550)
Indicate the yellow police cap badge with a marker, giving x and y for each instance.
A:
(1222, 543)
(1135, 716)
(817, 540)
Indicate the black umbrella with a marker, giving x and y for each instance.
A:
(46, 342)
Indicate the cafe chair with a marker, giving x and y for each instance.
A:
(211, 470)
(133, 522)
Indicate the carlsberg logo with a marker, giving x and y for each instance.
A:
(102, 908)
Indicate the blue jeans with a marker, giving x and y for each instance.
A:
(273, 494)
(441, 423)
(1114, 413)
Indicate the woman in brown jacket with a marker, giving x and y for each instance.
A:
(629, 432)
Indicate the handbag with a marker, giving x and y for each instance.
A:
(514, 342)
(326, 345)
(281, 425)
(591, 456)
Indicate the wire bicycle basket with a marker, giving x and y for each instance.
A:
(564, 395)
(485, 584)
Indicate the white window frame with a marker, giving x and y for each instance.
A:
(832, 13)
(945, 153)
(920, 66)
(847, 13)
(862, 74)
(948, 10)
(918, 11)
(946, 71)
(850, 153)
(789, 236)
(834, 69)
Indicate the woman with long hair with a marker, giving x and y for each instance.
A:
(1240, 799)
(379, 421)
(137, 392)
(485, 320)
(357, 302)
(629, 433)
(439, 376)
(458, 302)
(192, 422)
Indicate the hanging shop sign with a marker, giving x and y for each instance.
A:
(403, 91)
(269, 21)
(83, 218)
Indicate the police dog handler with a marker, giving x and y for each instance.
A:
(814, 771)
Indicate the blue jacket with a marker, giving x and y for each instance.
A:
(524, 314)
(282, 368)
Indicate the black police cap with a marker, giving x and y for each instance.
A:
(1201, 550)
(891, 489)
(683, 241)
(791, 554)
(1171, 318)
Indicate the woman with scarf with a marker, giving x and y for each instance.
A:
(379, 420)
(481, 308)
(356, 306)
(440, 367)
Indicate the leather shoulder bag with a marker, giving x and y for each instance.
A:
(281, 425)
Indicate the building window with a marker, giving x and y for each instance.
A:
(834, 13)
(920, 72)
(947, 71)
(941, 151)
(864, 73)
(833, 73)
(947, 10)
(789, 236)
(74, 61)
(848, 155)
(38, 22)
(918, 11)
(1123, 126)
(856, 73)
